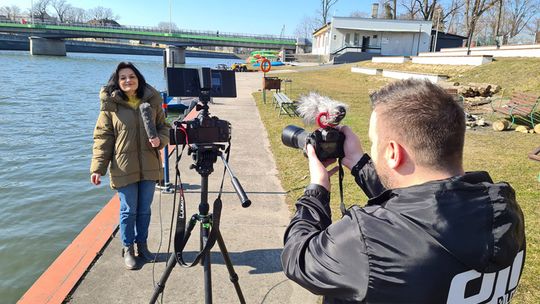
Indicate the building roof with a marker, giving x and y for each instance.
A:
(322, 29)
(381, 25)
(448, 34)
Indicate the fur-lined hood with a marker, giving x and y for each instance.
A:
(111, 102)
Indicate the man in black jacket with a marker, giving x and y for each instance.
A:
(430, 233)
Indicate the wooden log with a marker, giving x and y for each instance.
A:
(501, 125)
(537, 128)
(522, 129)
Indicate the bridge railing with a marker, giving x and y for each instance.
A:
(216, 33)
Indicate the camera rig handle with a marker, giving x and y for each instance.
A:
(246, 202)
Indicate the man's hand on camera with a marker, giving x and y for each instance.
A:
(154, 141)
(317, 169)
(352, 147)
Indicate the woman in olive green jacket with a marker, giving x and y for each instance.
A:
(122, 145)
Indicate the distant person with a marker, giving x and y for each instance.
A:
(429, 233)
(121, 143)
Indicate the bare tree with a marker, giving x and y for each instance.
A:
(388, 14)
(11, 12)
(102, 13)
(165, 26)
(518, 14)
(306, 27)
(359, 14)
(473, 10)
(427, 8)
(76, 15)
(411, 7)
(40, 9)
(61, 7)
(455, 15)
(326, 5)
(534, 27)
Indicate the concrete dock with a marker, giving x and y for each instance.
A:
(253, 236)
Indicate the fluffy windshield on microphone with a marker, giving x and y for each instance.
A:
(148, 119)
(311, 107)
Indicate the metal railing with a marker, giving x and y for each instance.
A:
(165, 32)
(355, 48)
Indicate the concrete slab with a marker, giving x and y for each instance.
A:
(367, 71)
(391, 59)
(406, 75)
(253, 235)
(429, 58)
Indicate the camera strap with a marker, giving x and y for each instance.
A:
(182, 234)
(341, 174)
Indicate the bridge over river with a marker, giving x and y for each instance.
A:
(48, 39)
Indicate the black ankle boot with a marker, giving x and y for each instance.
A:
(144, 253)
(129, 257)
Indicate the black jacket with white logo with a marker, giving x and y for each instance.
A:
(458, 240)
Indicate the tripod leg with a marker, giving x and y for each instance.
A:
(232, 274)
(206, 263)
(160, 286)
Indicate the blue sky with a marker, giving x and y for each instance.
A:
(236, 16)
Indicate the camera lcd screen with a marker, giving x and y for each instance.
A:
(182, 82)
(185, 82)
(223, 83)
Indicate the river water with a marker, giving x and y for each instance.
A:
(48, 109)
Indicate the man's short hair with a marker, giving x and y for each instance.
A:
(426, 118)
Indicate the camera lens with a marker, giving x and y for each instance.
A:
(294, 137)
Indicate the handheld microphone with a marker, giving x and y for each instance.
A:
(148, 122)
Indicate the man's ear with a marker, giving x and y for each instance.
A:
(394, 154)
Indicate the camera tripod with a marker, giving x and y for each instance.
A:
(205, 155)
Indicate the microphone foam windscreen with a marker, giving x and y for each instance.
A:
(147, 117)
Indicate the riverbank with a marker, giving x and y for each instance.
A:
(47, 198)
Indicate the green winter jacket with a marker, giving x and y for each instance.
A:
(120, 140)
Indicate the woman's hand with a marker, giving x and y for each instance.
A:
(154, 141)
(95, 178)
(317, 169)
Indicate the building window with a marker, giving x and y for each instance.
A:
(335, 37)
(347, 38)
(356, 39)
(374, 36)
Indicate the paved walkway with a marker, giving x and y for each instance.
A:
(253, 236)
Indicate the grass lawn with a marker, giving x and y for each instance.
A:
(502, 154)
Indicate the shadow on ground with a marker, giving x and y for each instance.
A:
(261, 261)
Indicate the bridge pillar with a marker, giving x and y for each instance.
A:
(45, 46)
(175, 55)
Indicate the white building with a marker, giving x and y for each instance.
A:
(371, 36)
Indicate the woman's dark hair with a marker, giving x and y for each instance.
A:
(113, 85)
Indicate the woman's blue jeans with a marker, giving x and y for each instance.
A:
(135, 202)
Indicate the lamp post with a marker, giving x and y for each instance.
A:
(170, 17)
(419, 35)
(437, 31)
(32, 11)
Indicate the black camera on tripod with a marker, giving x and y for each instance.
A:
(212, 130)
(327, 142)
(186, 82)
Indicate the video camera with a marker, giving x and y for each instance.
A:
(327, 142)
(204, 83)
